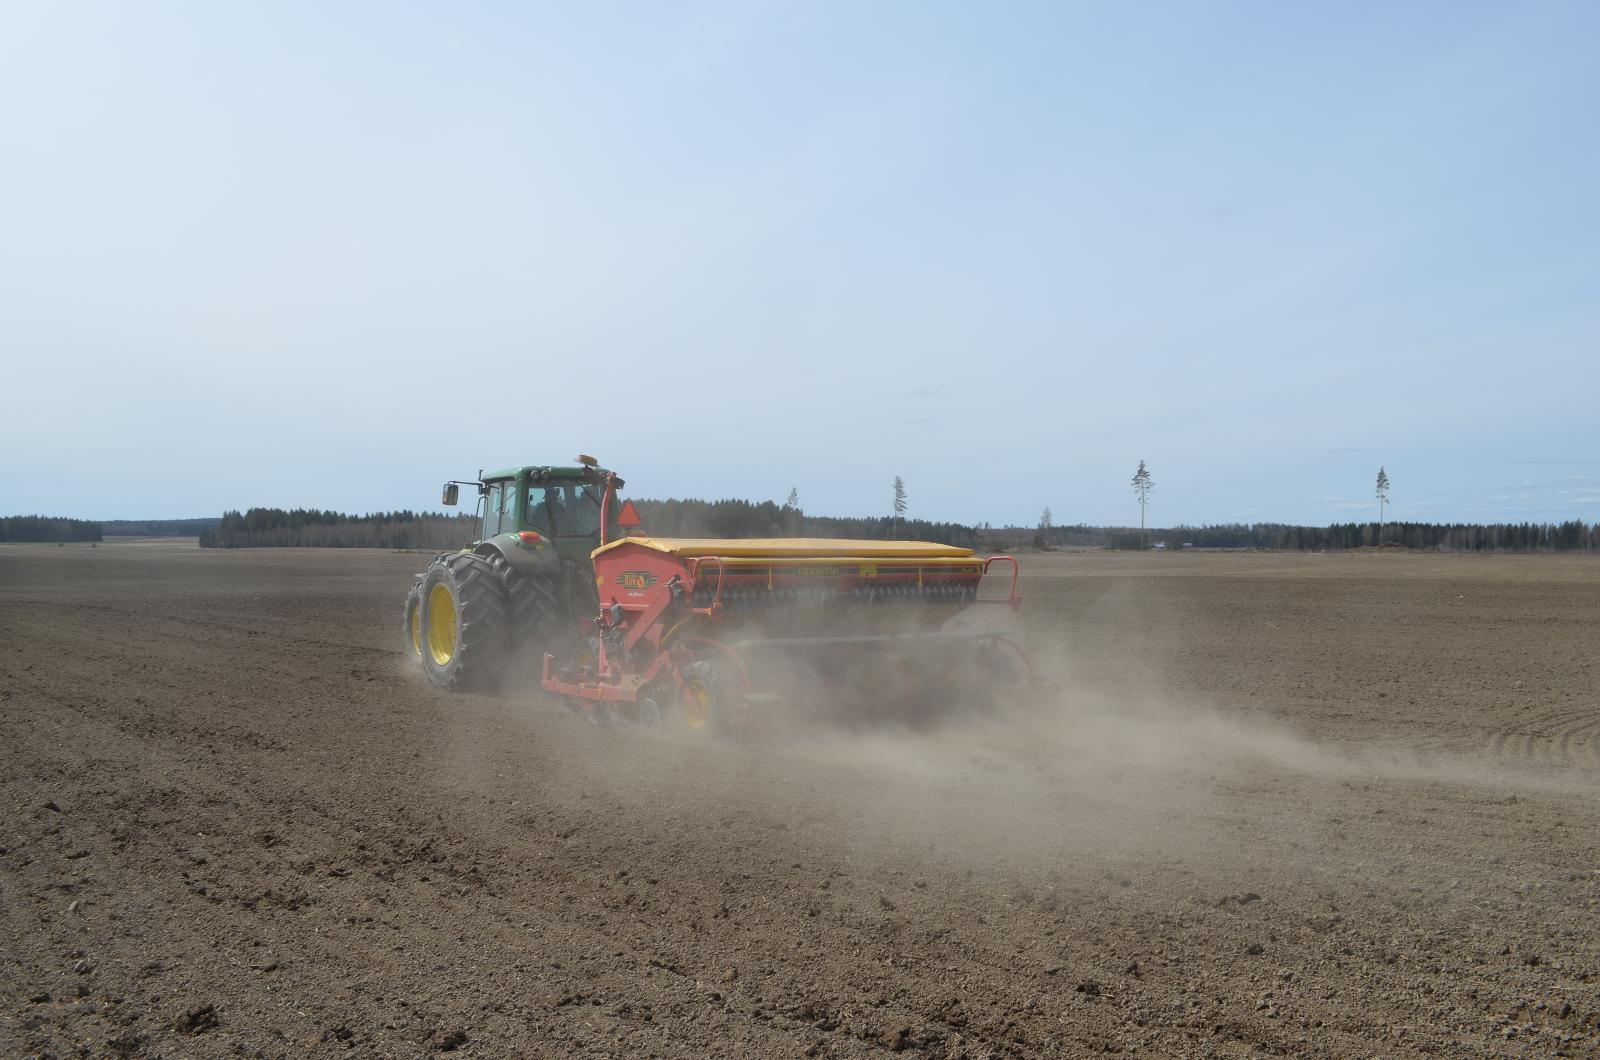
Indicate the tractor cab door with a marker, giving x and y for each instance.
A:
(499, 508)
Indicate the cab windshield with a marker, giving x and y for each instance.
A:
(565, 508)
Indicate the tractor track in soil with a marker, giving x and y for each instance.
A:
(1562, 737)
(1320, 805)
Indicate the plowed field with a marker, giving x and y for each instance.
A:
(1331, 805)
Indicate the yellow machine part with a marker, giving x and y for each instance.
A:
(782, 548)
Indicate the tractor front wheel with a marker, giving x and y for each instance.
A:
(464, 629)
(413, 622)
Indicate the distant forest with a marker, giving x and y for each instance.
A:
(736, 518)
(311, 528)
(1571, 536)
(159, 527)
(275, 527)
(47, 528)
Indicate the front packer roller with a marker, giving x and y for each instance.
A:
(701, 634)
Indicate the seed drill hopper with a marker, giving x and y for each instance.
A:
(700, 633)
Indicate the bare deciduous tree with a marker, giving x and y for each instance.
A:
(1046, 521)
(899, 503)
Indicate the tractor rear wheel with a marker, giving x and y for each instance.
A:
(534, 615)
(464, 623)
(581, 590)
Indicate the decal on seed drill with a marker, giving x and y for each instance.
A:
(638, 579)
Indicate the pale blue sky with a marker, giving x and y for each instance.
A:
(332, 254)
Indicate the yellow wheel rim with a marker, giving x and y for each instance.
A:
(441, 625)
(696, 704)
(416, 629)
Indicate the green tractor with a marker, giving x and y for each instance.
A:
(524, 586)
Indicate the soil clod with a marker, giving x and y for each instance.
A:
(197, 1020)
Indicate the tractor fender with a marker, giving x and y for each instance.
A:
(537, 560)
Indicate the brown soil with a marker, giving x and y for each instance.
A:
(1328, 805)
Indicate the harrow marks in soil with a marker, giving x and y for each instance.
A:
(1558, 738)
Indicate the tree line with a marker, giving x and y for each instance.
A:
(310, 527)
(741, 518)
(314, 528)
(159, 527)
(1570, 536)
(48, 528)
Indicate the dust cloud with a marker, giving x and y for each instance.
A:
(1104, 776)
(1094, 781)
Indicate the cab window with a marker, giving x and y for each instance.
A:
(585, 510)
(566, 508)
(545, 509)
(508, 508)
(493, 500)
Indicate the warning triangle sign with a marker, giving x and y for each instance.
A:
(628, 518)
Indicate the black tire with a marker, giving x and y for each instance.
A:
(535, 618)
(582, 595)
(1003, 672)
(411, 628)
(648, 715)
(465, 644)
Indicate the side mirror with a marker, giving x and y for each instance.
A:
(452, 493)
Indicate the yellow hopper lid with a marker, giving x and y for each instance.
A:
(791, 548)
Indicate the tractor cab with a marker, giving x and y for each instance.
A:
(539, 515)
